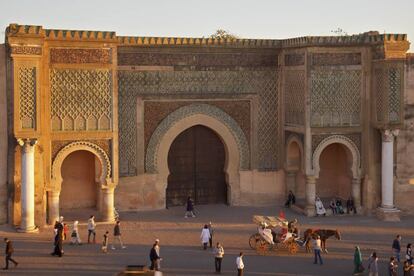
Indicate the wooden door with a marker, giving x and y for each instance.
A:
(196, 162)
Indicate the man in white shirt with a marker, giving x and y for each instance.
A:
(317, 250)
(240, 264)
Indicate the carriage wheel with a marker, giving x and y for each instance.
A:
(262, 247)
(254, 239)
(293, 247)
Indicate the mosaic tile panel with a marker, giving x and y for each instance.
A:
(335, 97)
(174, 117)
(294, 97)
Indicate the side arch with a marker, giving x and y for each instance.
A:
(348, 143)
(187, 111)
(297, 140)
(105, 178)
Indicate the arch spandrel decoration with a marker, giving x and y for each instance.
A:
(105, 178)
(186, 111)
(356, 156)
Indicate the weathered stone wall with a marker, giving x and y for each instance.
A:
(404, 184)
(3, 136)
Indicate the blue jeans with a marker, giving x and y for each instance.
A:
(317, 255)
(397, 254)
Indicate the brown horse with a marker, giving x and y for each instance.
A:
(324, 234)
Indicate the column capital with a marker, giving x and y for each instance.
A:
(389, 134)
(27, 144)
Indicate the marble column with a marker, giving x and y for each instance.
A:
(387, 211)
(356, 193)
(53, 206)
(27, 193)
(108, 204)
(310, 195)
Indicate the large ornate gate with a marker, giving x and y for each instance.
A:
(196, 162)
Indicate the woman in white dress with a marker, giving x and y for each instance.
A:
(320, 210)
(205, 236)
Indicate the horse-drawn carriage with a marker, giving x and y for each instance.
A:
(274, 233)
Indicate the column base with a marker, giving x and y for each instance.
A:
(388, 214)
(33, 229)
(310, 211)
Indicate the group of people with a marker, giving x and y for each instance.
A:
(393, 263)
(61, 234)
(336, 206)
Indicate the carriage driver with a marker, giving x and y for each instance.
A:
(293, 228)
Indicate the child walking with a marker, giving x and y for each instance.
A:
(105, 242)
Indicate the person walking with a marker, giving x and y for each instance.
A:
(155, 256)
(373, 265)
(117, 235)
(358, 267)
(218, 257)
(396, 247)
(211, 231)
(392, 267)
(105, 242)
(317, 250)
(91, 228)
(189, 208)
(58, 241)
(205, 236)
(240, 264)
(408, 254)
(75, 238)
(9, 252)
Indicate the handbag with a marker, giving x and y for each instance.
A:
(73, 235)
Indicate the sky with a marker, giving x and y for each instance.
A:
(275, 19)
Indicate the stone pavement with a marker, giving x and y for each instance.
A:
(181, 248)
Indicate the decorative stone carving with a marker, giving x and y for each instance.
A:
(336, 97)
(27, 95)
(323, 59)
(356, 157)
(354, 137)
(63, 55)
(294, 98)
(58, 145)
(389, 134)
(85, 93)
(295, 59)
(26, 50)
(82, 145)
(150, 158)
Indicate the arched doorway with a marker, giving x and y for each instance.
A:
(335, 176)
(196, 161)
(296, 180)
(80, 172)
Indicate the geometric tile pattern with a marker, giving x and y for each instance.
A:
(81, 99)
(335, 97)
(394, 96)
(201, 83)
(294, 98)
(188, 110)
(27, 90)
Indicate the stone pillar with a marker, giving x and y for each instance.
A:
(27, 193)
(108, 204)
(387, 211)
(356, 193)
(310, 195)
(53, 206)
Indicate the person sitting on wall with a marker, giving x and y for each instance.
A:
(320, 210)
(290, 200)
(339, 207)
(350, 206)
(332, 205)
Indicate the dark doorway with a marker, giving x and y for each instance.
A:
(196, 162)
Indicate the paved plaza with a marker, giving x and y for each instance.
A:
(181, 249)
